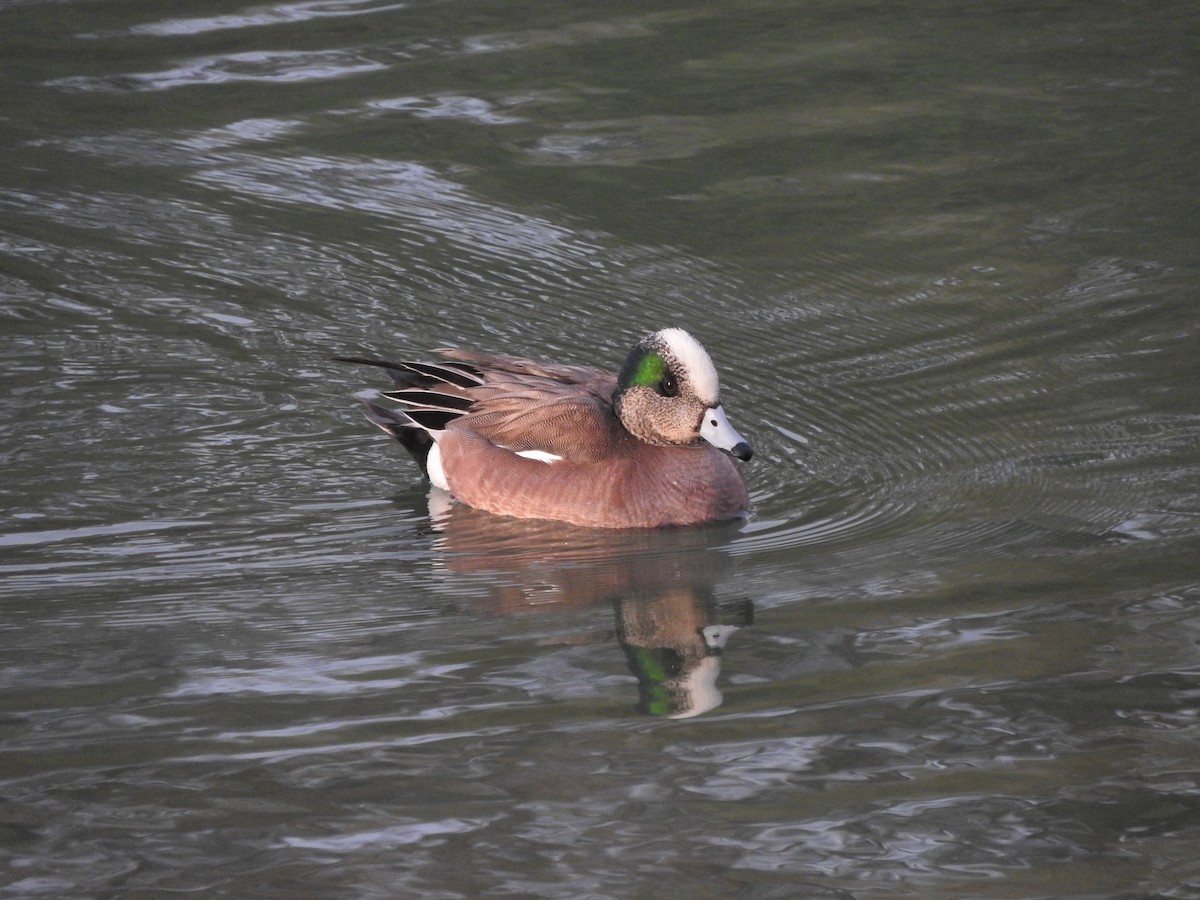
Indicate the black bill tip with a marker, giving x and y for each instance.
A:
(742, 451)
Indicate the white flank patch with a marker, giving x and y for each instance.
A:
(540, 455)
(695, 361)
(433, 466)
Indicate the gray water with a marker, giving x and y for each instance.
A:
(945, 258)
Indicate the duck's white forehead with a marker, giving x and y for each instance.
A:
(695, 362)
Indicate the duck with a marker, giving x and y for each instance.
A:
(648, 446)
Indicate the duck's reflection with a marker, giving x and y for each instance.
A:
(674, 644)
(660, 583)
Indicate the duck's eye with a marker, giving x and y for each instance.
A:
(669, 386)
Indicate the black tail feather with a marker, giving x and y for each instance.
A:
(426, 399)
(427, 392)
(422, 375)
(410, 433)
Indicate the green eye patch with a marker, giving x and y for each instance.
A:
(650, 370)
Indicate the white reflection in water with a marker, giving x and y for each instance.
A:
(395, 836)
(739, 770)
(310, 675)
(258, 16)
(243, 131)
(447, 106)
(281, 66)
(967, 834)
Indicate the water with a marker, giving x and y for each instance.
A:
(944, 256)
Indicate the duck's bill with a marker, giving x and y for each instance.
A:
(715, 429)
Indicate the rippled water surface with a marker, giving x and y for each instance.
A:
(945, 257)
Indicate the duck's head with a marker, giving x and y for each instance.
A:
(668, 393)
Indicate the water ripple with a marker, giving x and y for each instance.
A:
(263, 66)
(277, 14)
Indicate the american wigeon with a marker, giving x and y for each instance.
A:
(647, 447)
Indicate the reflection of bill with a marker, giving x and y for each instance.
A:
(661, 584)
(673, 643)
